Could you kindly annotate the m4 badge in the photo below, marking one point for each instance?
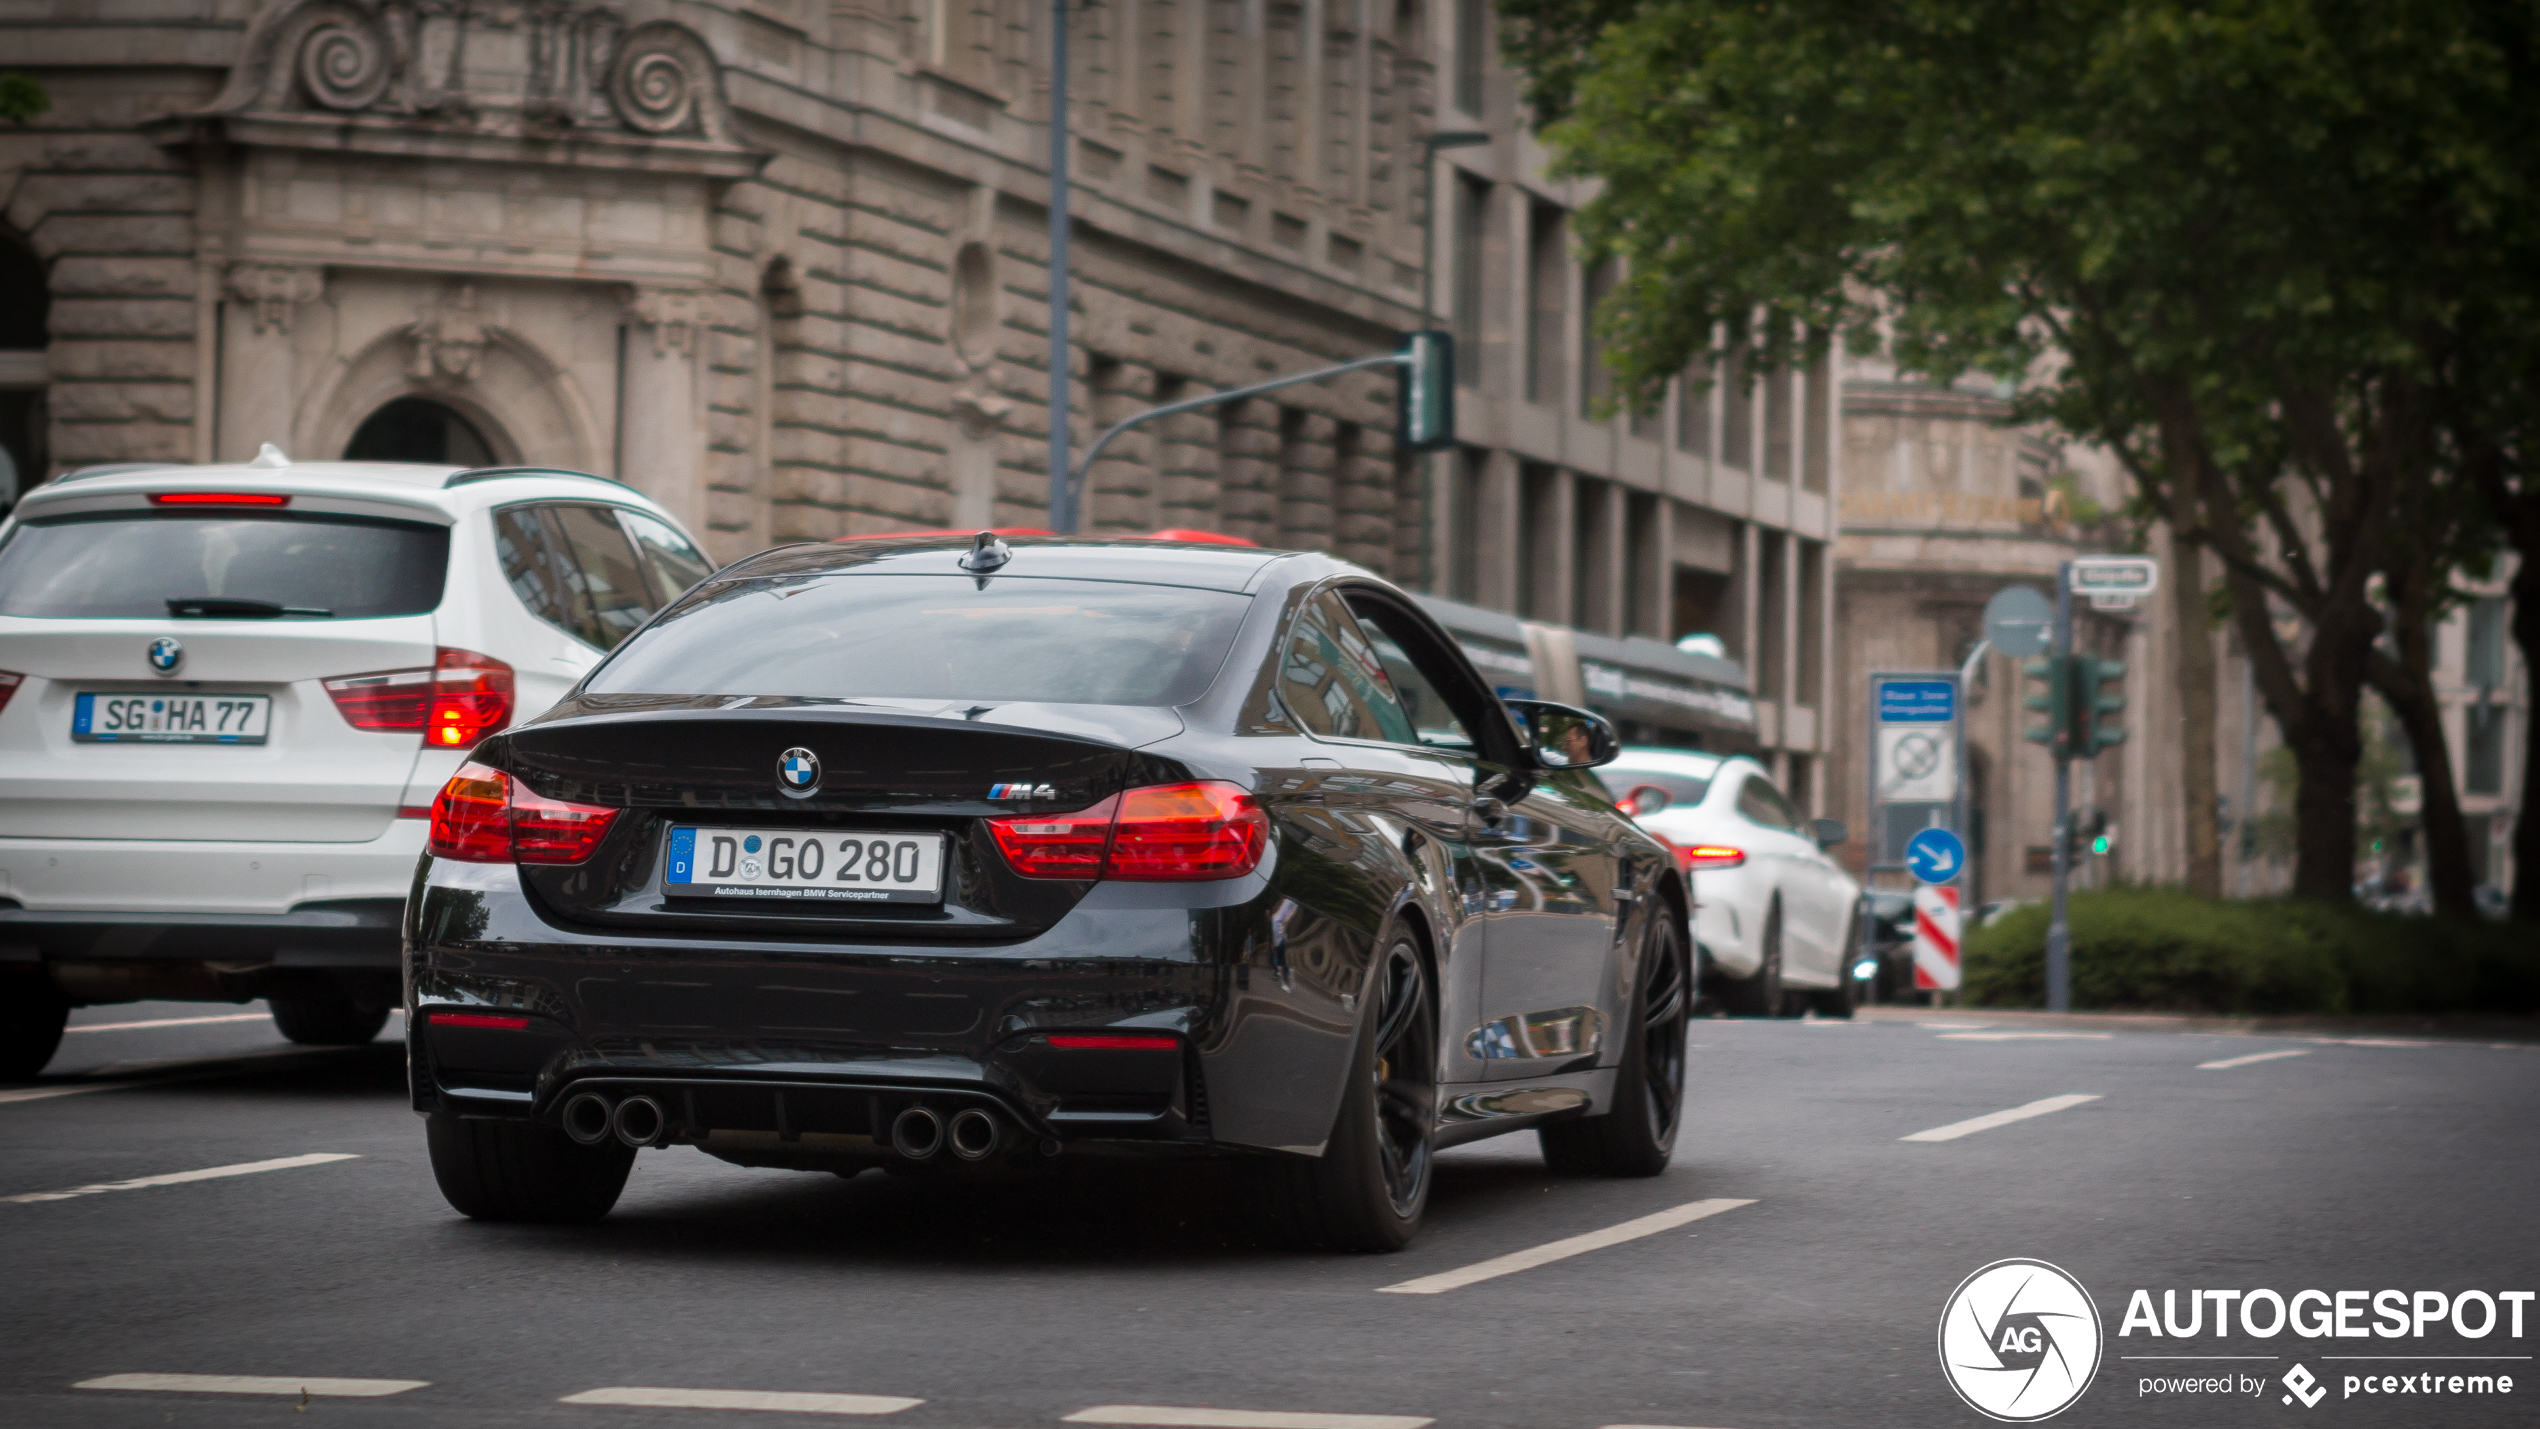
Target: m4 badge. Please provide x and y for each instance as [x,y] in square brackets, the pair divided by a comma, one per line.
[1022,791]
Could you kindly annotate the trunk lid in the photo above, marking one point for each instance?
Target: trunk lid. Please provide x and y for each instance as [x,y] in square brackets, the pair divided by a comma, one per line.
[314,779]
[905,768]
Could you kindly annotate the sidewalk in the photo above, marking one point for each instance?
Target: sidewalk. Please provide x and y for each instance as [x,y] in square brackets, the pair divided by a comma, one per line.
[2467,1027]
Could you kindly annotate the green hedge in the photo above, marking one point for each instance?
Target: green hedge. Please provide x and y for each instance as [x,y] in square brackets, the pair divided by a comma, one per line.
[2161,949]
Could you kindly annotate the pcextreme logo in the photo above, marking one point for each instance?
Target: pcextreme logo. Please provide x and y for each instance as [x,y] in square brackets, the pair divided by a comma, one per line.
[2019,1341]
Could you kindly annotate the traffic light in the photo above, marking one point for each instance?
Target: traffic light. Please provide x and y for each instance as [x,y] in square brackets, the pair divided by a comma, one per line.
[2054,672]
[2091,833]
[2096,709]
[1424,399]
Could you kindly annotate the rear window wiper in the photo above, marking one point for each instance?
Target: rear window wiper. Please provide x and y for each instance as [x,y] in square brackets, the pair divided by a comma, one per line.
[224,607]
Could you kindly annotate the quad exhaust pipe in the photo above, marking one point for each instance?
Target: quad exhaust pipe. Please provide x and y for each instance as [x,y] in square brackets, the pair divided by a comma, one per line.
[917,1133]
[974,1134]
[640,1121]
[587,1118]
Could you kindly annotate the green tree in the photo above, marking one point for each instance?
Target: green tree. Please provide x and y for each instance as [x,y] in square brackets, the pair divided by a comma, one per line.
[2227,240]
[21,98]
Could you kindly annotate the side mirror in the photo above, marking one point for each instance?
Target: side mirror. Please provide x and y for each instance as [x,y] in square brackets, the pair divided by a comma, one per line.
[1565,736]
[1829,832]
[1644,801]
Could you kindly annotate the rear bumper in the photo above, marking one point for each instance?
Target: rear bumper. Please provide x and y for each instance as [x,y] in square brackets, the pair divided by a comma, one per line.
[114,879]
[798,1050]
[344,949]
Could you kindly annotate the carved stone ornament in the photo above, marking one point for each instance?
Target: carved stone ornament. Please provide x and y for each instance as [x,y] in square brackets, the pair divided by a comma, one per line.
[449,342]
[524,67]
[272,290]
[674,315]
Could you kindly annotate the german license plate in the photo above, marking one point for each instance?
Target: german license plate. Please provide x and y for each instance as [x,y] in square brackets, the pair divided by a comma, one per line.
[98,718]
[842,866]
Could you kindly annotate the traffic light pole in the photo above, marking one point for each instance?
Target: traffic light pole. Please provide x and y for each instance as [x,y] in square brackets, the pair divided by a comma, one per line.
[2059,932]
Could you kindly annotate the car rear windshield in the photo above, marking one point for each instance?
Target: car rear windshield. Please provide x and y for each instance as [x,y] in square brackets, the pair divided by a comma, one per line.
[933,637]
[1683,790]
[132,565]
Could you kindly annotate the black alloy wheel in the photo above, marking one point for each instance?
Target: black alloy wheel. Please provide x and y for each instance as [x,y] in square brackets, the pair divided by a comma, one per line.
[1636,1136]
[31,1018]
[327,1021]
[1760,993]
[1370,1187]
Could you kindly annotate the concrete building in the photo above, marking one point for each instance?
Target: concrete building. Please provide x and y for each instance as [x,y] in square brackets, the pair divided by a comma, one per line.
[781,264]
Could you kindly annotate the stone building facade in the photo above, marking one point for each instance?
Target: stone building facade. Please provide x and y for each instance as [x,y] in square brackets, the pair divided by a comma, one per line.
[782,265]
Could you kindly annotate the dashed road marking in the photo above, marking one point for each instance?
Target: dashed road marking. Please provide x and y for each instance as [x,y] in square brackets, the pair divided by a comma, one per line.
[1238,1418]
[1990,1120]
[256,1384]
[2229,1062]
[1516,1261]
[179,1178]
[2023,1036]
[171,1022]
[777,1401]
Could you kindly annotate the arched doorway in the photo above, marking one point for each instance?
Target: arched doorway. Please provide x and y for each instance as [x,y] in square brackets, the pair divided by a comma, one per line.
[419,429]
[25,316]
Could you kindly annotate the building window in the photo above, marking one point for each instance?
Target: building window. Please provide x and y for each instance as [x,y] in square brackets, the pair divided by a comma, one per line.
[1472,52]
[2486,658]
[1816,462]
[1812,610]
[1538,543]
[1737,412]
[1695,396]
[1547,302]
[25,327]
[1780,399]
[2486,762]
[1640,565]
[1472,217]
[1597,380]
[1464,525]
[1772,607]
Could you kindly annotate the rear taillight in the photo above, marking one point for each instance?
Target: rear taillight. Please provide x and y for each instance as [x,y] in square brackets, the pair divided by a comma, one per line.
[460,700]
[485,816]
[218,498]
[1693,858]
[1112,1042]
[9,682]
[491,1021]
[1166,833]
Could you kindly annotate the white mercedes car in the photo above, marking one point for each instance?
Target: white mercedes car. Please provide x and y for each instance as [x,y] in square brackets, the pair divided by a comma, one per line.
[1775,917]
[228,695]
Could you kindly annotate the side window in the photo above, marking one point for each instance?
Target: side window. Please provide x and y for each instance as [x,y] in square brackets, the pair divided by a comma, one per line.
[1332,681]
[674,563]
[1432,720]
[1761,803]
[604,572]
[531,567]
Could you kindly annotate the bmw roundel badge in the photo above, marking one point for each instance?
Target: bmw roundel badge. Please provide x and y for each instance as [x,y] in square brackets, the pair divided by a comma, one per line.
[166,655]
[798,771]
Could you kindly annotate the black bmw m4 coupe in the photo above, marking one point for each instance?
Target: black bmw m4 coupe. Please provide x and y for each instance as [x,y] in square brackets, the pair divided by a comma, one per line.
[951,857]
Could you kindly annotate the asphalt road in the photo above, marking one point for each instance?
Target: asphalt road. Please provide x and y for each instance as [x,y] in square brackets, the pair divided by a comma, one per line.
[2354,1165]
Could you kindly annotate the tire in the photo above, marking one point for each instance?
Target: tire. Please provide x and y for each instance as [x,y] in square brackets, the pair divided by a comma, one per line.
[517,1171]
[1637,1135]
[1370,1187]
[1760,993]
[31,1019]
[1837,1001]
[327,1021]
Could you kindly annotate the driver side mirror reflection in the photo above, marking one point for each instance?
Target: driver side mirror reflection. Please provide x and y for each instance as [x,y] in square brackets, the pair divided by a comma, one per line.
[1565,736]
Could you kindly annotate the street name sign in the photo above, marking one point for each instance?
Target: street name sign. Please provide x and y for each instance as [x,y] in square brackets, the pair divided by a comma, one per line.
[2096,576]
[1918,701]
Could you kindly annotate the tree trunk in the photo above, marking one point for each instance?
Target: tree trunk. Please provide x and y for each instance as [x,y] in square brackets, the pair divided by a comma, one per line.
[2197,700]
[2324,818]
[2526,589]
[2408,686]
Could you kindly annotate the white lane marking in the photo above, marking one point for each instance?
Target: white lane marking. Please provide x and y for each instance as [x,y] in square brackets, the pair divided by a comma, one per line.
[171,1022]
[2022,1036]
[778,1401]
[1238,1418]
[1511,1263]
[256,1384]
[179,1178]
[1955,1026]
[2229,1062]
[1992,1119]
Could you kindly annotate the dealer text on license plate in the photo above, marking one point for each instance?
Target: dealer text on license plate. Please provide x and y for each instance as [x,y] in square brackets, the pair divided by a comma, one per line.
[831,865]
[101,718]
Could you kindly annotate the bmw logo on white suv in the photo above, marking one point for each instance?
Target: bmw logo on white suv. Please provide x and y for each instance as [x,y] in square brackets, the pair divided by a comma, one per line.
[228,695]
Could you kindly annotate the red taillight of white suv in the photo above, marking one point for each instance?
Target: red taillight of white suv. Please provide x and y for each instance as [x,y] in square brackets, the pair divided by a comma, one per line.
[460,700]
[9,682]
[1167,833]
[484,815]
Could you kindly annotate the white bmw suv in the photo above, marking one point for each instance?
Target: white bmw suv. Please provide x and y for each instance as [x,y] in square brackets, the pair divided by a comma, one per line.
[1776,918]
[228,695]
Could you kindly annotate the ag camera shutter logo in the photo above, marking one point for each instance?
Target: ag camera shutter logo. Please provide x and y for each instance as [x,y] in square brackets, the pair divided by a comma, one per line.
[2019,1341]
